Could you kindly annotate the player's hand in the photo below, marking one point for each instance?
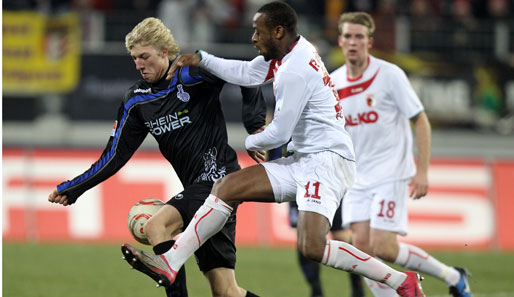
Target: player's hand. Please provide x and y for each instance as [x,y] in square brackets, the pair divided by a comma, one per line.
[257,156]
[259,130]
[183,60]
[418,186]
[55,197]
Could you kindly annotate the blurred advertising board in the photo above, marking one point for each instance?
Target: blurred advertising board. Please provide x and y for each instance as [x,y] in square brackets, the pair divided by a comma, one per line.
[41,53]
[468,207]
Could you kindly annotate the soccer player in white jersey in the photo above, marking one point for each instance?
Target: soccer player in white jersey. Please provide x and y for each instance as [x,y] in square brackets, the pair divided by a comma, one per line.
[317,175]
[378,102]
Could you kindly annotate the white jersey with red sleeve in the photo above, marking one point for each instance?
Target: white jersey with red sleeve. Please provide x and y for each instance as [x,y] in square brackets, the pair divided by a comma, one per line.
[306,111]
[377,106]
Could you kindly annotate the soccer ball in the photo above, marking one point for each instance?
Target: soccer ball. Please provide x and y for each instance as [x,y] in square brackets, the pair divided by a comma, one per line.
[139,214]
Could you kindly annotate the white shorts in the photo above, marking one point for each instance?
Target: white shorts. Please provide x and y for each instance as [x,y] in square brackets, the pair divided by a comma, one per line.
[385,206]
[317,181]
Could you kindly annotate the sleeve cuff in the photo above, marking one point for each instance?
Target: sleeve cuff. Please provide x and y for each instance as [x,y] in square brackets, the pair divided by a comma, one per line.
[203,55]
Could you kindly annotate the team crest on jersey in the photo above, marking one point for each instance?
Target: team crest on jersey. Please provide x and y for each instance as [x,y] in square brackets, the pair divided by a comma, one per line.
[370,100]
[181,95]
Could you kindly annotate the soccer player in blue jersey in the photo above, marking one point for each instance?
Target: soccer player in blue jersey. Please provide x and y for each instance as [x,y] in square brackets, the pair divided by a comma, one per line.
[185,117]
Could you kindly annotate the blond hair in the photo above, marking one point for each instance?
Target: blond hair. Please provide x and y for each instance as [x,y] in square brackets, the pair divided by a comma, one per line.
[151,31]
[360,18]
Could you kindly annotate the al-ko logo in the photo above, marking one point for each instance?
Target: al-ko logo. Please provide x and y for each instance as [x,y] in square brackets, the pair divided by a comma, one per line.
[362,118]
[168,122]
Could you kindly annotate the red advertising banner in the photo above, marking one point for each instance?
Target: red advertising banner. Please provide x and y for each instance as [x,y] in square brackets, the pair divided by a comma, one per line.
[468,206]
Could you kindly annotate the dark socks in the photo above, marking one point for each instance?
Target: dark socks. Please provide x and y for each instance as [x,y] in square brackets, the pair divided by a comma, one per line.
[356,285]
[163,247]
[250,294]
[310,271]
[178,288]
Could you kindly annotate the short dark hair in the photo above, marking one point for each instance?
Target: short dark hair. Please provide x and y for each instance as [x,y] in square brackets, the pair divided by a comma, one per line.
[279,14]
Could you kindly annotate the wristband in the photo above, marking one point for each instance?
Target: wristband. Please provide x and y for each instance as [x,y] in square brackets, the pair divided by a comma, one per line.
[199,52]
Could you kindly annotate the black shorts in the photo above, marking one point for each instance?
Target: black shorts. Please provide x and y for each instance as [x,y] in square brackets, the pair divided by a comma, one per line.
[337,223]
[219,250]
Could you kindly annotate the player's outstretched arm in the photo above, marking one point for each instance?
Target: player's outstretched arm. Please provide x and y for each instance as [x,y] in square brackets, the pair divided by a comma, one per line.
[55,197]
[183,60]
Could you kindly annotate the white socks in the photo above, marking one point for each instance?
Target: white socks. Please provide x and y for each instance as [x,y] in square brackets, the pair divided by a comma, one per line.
[414,258]
[380,290]
[208,220]
[344,256]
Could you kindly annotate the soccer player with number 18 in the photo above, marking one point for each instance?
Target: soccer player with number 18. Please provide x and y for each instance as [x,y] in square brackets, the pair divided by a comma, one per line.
[379,102]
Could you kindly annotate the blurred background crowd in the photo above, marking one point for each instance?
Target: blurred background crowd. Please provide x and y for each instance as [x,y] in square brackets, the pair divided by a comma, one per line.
[458,54]
[439,25]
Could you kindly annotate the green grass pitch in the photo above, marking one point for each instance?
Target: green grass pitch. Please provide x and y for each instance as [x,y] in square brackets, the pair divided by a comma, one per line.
[80,270]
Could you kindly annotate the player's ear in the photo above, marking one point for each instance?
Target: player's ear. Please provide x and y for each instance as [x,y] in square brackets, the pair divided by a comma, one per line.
[370,43]
[279,32]
[164,52]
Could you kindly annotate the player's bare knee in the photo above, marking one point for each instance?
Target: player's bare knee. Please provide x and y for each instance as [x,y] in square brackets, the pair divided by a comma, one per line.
[222,190]
[312,249]
[313,253]
[151,229]
[218,186]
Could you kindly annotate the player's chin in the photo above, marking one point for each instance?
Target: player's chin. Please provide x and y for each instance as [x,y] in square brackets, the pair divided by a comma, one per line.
[266,57]
[149,79]
[261,53]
